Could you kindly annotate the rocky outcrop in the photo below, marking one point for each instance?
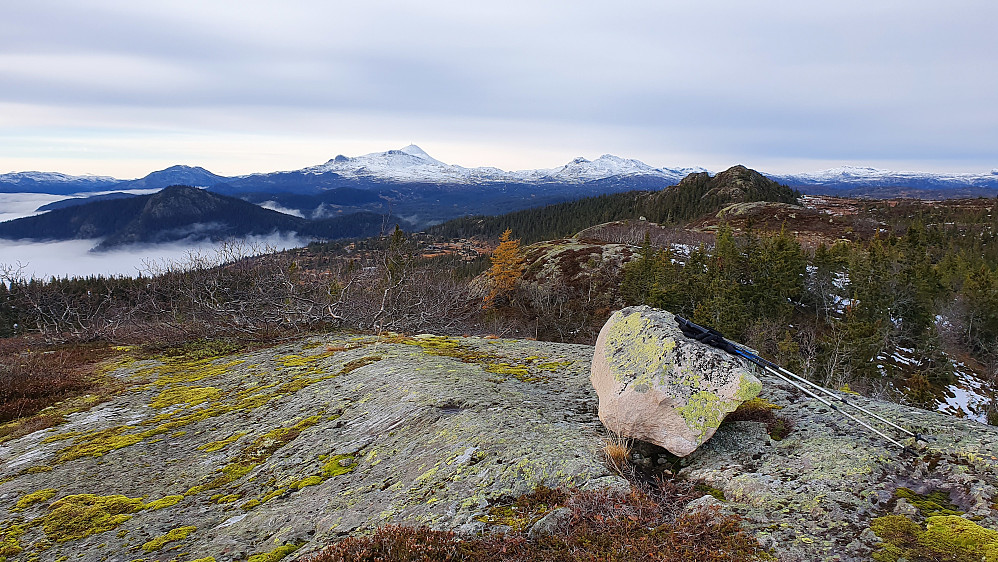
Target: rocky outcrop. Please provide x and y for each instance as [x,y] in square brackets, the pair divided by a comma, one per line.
[296,445]
[658,386]
[290,447]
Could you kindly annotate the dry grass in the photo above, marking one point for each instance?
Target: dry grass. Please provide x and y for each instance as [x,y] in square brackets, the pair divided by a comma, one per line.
[758,410]
[35,376]
[605,525]
[617,452]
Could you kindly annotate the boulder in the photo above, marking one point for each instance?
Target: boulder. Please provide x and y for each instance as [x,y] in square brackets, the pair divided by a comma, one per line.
[656,385]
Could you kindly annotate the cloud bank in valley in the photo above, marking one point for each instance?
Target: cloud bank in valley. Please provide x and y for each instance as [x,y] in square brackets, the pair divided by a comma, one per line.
[73,258]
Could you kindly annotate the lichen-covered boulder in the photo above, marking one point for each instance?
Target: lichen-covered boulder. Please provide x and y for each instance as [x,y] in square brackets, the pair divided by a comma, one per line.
[656,385]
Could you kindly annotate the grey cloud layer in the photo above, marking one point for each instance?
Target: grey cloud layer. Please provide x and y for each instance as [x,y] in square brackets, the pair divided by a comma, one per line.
[850,79]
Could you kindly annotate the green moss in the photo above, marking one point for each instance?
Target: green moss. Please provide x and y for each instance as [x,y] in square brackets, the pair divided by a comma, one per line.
[178,534]
[717,493]
[524,511]
[274,555]
[310,481]
[38,468]
[35,497]
[269,496]
[333,466]
[552,366]
[10,540]
[163,503]
[78,516]
[936,502]
[337,465]
[189,395]
[99,443]
[946,537]
[178,372]
[228,498]
[206,559]
[757,404]
[219,445]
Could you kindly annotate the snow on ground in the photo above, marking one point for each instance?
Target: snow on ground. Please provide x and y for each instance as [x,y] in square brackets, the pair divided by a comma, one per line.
[968,397]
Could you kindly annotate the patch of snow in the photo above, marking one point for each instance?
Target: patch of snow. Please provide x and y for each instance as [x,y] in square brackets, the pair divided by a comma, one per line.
[968,397]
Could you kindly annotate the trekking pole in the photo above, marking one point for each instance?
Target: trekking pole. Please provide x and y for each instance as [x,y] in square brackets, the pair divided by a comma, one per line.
[744,352]
[715,339]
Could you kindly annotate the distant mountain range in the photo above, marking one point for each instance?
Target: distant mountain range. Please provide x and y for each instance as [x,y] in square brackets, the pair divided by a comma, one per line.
[357,196]
[875,183]
[412,169]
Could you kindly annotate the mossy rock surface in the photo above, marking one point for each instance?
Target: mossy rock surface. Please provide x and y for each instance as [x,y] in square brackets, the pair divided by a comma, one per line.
[290,447]
[297,444]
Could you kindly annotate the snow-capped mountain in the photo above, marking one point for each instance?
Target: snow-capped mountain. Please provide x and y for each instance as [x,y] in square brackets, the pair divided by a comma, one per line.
[581,170]
[413,164]
[405,171]
[194,176]
[851,176]
[44,182]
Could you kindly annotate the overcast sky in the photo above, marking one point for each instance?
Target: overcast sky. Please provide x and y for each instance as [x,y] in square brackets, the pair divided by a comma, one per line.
[122,88]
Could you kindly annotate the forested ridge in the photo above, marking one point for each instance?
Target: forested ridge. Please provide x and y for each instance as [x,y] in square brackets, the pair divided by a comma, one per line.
[694,196]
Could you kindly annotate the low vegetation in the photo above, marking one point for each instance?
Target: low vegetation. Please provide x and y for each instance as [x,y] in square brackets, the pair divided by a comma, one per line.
[637,525]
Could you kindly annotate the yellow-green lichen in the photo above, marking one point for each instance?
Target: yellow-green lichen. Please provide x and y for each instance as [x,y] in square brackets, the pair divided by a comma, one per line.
[163,503]
[333,466]
[177,534]
[10,540]
[228,498]
[703,411]
[552,366]
[269,496]
[631,355]
[178,372]
[82,515]
[255,454]
[274,555]
[35,497]
[946,537]
[189,395]
[748,388]
[219,445]
[98,443]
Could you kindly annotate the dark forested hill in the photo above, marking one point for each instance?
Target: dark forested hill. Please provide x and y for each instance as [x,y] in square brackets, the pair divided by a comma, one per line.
[181,212]
[694,196]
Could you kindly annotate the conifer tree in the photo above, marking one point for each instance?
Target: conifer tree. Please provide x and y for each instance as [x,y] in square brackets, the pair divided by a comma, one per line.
[507,269]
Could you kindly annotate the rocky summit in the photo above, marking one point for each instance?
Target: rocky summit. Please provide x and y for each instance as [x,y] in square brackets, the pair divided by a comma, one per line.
[657,385]
[274,453]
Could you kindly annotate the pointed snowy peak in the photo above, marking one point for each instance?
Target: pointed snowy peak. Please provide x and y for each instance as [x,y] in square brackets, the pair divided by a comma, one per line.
[413,150]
